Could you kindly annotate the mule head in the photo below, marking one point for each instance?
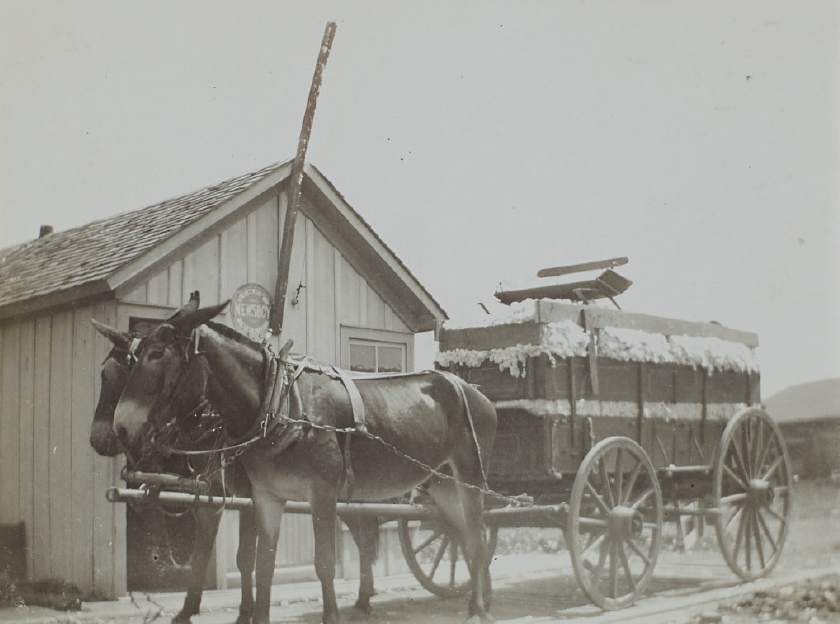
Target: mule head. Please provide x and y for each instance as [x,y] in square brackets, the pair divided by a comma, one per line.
[165,379]
[115,370]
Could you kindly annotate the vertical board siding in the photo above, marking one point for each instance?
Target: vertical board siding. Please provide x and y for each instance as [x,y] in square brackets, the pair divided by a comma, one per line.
[176,284]
[350,312]
[322,288]
[234,264]
[41,521]
[205,276]
[27,433]
[10,425]
[296,314]
[157,289]
[265,245]
[81,414]
[60,480]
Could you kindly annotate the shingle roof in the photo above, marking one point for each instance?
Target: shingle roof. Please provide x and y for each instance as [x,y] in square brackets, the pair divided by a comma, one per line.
[817,400]
[92,252]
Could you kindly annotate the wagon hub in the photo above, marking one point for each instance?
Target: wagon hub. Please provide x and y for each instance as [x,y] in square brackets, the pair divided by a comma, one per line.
[761,492]
[625,522]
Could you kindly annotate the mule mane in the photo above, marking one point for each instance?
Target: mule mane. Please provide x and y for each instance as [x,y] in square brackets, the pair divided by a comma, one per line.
[234,335]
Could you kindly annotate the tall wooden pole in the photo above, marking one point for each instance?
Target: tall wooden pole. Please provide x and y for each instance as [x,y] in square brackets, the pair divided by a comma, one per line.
[282,284]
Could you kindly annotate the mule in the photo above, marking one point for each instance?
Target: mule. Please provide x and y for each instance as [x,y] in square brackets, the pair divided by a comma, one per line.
[433,418]
[115,371]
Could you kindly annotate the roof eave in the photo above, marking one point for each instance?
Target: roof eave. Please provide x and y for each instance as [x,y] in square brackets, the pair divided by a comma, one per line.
[57,299]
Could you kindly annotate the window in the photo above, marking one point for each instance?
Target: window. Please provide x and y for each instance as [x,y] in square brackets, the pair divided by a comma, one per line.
[376,351]
[376,357]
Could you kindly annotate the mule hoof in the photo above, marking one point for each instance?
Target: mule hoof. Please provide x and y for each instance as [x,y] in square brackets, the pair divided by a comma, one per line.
[243,619]
[360,612]
[481,619]
[181,618]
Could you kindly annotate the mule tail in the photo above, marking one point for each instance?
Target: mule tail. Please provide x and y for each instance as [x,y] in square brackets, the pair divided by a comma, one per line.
[460,387]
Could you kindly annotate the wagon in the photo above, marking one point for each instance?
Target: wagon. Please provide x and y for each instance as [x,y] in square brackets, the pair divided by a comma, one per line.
[610,423]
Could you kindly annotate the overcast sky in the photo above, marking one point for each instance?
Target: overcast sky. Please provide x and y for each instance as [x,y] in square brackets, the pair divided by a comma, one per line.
[482,140]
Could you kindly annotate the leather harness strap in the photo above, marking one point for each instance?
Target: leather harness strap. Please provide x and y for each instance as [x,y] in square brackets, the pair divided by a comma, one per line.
[356,402]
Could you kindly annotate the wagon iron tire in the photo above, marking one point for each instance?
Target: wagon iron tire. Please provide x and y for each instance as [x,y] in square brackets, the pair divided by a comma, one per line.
[614,523]
[751,489]
[436,556]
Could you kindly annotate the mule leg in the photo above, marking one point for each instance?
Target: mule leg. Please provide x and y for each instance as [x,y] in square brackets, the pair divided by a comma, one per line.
[365,532]
[246,556]
[206,527]
[323,523]
[463,509]
[268,512]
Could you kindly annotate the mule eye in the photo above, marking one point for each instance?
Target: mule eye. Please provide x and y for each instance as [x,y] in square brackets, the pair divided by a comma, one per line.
[155,355]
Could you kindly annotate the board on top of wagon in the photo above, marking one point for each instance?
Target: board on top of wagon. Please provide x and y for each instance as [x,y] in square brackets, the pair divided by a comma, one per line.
[625,420]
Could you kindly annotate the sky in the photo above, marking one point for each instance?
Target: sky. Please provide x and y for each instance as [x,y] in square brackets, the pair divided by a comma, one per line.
[482,141]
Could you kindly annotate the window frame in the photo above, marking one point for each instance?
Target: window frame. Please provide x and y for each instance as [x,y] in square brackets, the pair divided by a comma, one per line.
[384,337]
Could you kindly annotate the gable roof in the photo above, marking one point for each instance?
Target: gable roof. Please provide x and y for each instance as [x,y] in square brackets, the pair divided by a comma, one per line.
[817,400]
[104,255]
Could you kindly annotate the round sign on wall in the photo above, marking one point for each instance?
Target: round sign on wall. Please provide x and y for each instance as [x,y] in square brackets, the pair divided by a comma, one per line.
[250,309]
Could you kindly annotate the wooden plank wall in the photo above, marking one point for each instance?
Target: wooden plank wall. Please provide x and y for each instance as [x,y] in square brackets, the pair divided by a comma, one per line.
[51,479]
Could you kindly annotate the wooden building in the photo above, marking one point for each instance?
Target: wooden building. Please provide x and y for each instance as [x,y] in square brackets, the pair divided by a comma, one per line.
[351,302]
[809,416]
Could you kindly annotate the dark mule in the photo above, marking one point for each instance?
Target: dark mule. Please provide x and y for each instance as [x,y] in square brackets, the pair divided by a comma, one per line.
[115,371]
[432,417]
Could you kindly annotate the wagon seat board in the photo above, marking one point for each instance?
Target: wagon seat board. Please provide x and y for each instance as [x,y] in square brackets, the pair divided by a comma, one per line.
[564,376]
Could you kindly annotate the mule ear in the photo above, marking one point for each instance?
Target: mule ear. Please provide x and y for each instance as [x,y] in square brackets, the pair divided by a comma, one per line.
[191,320]
[188,308]
[120,339]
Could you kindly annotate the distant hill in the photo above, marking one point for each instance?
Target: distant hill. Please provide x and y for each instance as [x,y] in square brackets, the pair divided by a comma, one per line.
[817,400]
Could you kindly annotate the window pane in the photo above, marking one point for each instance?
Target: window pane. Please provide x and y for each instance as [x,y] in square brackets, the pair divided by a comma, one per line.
[362,358]
[390,359]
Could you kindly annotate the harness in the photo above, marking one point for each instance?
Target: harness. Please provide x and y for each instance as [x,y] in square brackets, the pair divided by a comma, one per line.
[280,385]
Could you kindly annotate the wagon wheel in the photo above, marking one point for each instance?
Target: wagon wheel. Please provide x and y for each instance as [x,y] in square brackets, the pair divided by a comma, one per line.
[436,556]
[751,488]
[614,524]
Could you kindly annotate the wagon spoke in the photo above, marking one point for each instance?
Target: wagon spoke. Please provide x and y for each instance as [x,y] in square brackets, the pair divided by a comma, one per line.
[428,541]
[738,534]
[592,543]
[734,515]
[598,499]
[619,455]
[776,515]
[602,559]
[735,477]
[439,555]
[631,482]
[758,548]
[735,454]
[763,447]
[453,560]
[643,498]
[734,498]
[613,569]
[605,480]
[625,563]
[636,549]
[773,467]
[745,448]
[767,532]
[748,539]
